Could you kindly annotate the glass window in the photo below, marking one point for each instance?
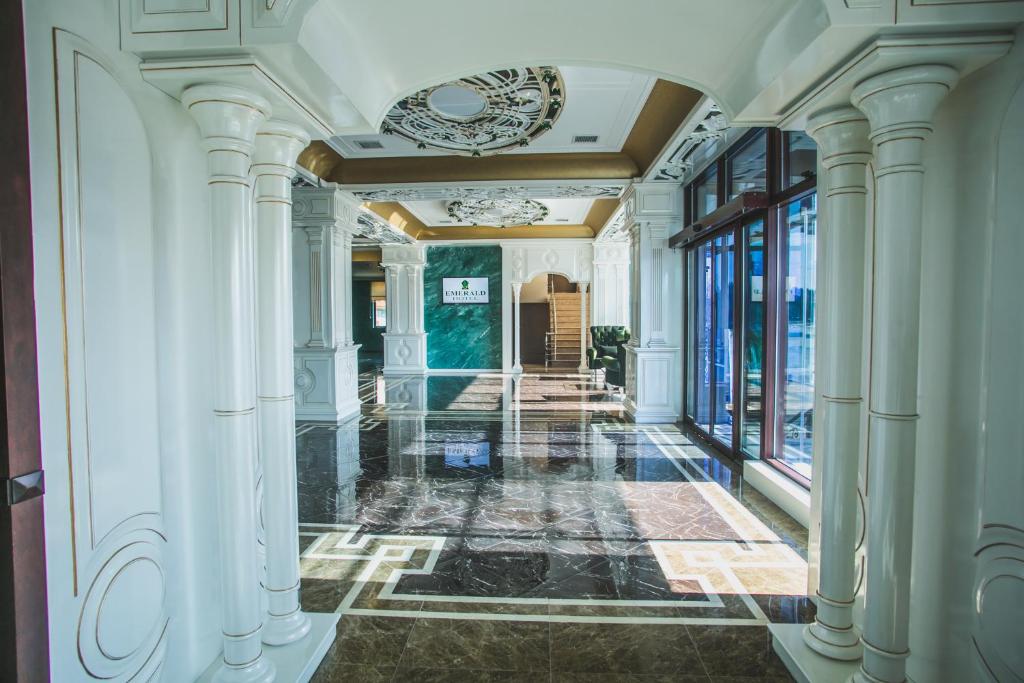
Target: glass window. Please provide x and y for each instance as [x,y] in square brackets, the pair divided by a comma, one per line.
[380,313]
[797,314]
[799,158]
[748,167]
[753,338]
[705,194]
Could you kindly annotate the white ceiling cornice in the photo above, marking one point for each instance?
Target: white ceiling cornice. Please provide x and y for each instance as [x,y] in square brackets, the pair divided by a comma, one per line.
[493,189]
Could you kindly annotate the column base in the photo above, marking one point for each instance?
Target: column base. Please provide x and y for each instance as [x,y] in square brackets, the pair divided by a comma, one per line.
[287,629]
[405,354]
[804,664]
[327,383]
[841,645]
[294,663]
[651,384]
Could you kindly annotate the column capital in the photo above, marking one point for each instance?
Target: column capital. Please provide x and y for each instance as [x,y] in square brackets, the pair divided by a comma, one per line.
[228,116]
[277,147]
[840,132]
[905,98]
[403,255]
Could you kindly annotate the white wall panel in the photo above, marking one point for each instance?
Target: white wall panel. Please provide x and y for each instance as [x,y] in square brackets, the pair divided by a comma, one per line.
[112,448]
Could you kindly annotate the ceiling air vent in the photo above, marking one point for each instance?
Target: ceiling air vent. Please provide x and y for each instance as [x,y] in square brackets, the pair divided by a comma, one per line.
[584,139]
[368,144]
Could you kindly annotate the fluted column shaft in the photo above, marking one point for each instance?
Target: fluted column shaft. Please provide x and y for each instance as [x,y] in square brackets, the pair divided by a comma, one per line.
[842,137]
[277,146]
[517,287]
[582,286]
[900,105]
[228,119]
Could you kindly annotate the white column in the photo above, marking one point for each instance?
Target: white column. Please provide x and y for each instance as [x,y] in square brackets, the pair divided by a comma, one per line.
[582,286]
[653,381]
[899,105]
[405,343]
[842,137]
[228,119]
[325,359]
[277,146]
[517,365]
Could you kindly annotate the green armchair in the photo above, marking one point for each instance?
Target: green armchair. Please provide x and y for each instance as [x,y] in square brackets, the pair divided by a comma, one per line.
[607,351]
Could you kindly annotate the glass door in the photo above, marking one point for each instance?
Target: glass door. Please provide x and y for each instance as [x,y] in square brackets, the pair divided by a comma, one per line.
[702,320]
[724,326]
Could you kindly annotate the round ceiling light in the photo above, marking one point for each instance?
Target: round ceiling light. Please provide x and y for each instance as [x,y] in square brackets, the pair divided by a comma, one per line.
[457,102]
[500,213]
[481,115]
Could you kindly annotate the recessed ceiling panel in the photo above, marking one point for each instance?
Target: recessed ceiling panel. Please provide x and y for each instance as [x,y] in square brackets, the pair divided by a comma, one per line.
[598,110]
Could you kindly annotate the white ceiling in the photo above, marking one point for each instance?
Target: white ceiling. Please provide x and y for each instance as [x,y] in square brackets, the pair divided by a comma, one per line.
[602,102]
[434,214]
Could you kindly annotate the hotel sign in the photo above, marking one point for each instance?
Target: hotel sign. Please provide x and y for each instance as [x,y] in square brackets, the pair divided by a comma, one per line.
[464,290]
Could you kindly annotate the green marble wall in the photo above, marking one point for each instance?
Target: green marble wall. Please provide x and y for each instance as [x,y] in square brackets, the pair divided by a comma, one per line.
[462,336]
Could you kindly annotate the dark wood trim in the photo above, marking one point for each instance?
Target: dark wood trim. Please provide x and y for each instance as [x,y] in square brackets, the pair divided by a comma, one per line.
[725,214]
[24,649]
[733,217]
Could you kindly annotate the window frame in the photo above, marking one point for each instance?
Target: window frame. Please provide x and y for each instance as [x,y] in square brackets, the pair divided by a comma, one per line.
[778,197]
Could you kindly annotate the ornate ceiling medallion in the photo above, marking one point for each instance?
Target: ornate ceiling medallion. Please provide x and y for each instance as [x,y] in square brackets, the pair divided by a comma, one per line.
[500,213]
[481,115]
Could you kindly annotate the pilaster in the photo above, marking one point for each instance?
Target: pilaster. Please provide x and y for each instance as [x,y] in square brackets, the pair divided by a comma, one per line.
[326,360]
[405,342]
[653,381]
[609,295]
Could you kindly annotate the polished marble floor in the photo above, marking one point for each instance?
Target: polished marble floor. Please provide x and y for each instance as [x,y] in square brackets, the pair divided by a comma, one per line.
[491,529]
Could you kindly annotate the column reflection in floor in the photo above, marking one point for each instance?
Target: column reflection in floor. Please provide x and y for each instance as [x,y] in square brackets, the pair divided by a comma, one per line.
[488,499]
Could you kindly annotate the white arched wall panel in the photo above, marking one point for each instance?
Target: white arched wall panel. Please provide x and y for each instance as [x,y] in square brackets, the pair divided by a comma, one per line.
[116,618]
[999,550]
[523,260]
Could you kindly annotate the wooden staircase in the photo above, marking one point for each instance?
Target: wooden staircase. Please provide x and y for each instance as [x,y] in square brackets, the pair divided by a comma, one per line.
[562,348]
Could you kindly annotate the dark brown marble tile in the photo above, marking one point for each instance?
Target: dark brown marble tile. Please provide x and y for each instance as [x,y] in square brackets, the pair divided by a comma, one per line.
[624,649]
[737,651]
[748,679]
[333,671]
[420,675]
[374,641]
[563,677]
[474,644]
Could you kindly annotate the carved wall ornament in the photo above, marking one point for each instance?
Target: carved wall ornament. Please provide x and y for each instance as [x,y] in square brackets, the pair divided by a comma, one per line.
[377,229]
[713,126]
[500,213]
[457,192]
[481,115]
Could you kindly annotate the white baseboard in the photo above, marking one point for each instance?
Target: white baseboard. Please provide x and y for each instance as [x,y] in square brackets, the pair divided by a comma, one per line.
[295,662]
[804,664]
[780,489]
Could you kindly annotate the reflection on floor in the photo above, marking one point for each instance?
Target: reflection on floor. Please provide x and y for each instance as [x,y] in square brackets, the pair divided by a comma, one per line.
[484,528]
